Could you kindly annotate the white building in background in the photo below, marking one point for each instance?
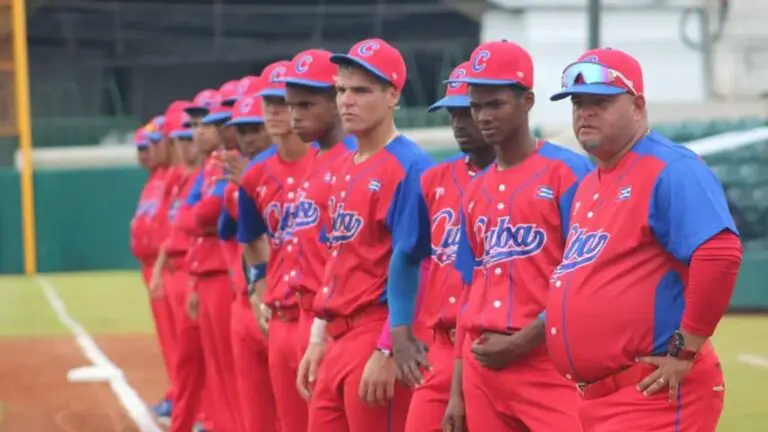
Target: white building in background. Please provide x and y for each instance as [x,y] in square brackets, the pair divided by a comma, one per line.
[679,80]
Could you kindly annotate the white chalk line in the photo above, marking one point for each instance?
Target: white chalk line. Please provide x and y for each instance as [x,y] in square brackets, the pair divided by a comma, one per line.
[125,394]
[754,360]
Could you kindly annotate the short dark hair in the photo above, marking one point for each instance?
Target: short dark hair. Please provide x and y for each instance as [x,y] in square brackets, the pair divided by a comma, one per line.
[329,92]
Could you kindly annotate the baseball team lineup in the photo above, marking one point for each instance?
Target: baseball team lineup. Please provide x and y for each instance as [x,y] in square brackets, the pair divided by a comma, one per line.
[311,269]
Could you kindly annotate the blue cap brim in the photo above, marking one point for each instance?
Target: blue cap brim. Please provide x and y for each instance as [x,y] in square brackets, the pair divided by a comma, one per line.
[219,117]
[307,83]
[595,89]
[196,111]
[343,59]
[483,81]
[182,134]
[455,101]
[141,145]
[245,120]
[273,92]
[155,136]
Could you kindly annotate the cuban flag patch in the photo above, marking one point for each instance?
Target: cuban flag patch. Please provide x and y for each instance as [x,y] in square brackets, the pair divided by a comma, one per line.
[374,185]
[545,192]
[624,193]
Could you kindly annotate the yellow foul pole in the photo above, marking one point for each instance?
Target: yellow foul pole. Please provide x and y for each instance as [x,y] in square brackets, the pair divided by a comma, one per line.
[24,123]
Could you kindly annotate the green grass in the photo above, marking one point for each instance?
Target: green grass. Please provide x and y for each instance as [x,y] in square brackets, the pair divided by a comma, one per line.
[116,303]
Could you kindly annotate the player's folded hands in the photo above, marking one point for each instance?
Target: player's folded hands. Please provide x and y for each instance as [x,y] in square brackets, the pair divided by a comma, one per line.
[410,355]
[497,350]
[233,165]
[670,374]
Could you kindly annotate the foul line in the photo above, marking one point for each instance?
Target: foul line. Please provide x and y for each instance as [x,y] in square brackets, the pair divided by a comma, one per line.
[754,360]
[125,394]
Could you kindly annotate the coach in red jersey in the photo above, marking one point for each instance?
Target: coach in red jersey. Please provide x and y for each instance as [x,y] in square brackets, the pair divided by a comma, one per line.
[514,222]
[650,264]
[370,193]
[442,189]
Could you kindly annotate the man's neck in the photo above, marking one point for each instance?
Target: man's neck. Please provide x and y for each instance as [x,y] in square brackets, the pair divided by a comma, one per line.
[610,162]
[290,147]
[516,149]
[334,136]
[482,157]
[375,139]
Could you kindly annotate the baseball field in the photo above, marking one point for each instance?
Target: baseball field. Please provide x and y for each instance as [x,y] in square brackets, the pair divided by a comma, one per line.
[78,354]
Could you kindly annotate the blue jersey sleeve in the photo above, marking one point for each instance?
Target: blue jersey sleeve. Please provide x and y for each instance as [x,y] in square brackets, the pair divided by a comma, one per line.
[250,223]
[402,288]
[227,225]
[688,207]
[465,257]
[196,193]
[218,188]
[407,216]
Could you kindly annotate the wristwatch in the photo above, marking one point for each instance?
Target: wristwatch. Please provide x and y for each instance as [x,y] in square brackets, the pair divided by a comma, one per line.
[677,347]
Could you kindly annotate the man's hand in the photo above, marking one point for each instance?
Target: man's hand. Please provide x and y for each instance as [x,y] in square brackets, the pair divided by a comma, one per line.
[455,413]
[156,284]
[410,355]
[233,164]
[193,304]
[670,372]
[377,387]
[310,363]
[262,313]
[496,350]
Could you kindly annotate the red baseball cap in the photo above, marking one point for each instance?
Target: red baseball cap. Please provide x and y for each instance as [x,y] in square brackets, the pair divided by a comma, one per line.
[177,125]
[141,138]
[500,63]
[456,92]
[247,110]
[312,68]
[248,85]
[219,112]
[154,128]
[175,116]
[202,102]
[273,77]
[602,71]
[377,57]
[228,92]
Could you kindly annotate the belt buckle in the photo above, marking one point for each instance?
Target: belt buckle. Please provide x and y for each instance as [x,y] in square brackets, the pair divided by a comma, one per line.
[581,388]
[452,336]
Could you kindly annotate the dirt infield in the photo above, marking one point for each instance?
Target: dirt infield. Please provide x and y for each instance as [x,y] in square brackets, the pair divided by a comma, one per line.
[36,396]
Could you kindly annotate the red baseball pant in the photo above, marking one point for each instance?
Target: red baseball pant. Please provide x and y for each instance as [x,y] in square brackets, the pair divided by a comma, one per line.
[254,388]
[163,316]
[189,366]
[215,320]
[698,408]
[335,405]
[283,366]
[430,400]
[528,395]
[306,317]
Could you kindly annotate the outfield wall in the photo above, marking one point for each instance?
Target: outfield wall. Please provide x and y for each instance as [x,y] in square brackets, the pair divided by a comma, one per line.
[83,218]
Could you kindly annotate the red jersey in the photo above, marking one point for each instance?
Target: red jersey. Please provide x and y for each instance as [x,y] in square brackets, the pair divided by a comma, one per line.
[619,291]
[205,254]
[370,202]
[233,251]
[513,235]
[143,242]
[442,189]
[180,217]
[306,258]
[267,204]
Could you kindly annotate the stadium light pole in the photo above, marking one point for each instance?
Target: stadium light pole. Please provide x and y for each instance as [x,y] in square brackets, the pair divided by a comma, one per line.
[24,127]
[593,23]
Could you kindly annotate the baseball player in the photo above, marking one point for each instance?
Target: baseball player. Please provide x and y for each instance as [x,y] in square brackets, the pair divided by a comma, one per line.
[249,345]
[513,228]
[211,301]
[171,276]
[649,267]
[371,195]
[311,96]
[267,217]
[442,189]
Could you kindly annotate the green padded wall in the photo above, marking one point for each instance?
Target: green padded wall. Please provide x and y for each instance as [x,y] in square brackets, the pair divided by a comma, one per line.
[11,250]
[83,218]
